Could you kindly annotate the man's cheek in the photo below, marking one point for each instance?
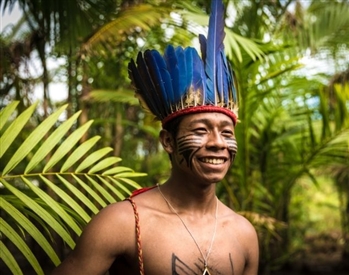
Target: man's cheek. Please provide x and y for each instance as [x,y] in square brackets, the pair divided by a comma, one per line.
[232,148]
[188,146]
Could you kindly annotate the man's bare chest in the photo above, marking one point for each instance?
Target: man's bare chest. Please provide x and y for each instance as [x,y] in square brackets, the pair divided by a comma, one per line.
[170,249]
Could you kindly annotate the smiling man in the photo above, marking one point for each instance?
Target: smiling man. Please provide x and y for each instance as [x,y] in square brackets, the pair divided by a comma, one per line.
[180,226]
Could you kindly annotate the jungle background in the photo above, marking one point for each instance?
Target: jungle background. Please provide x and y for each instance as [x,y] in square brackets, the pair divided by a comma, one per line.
[74,138]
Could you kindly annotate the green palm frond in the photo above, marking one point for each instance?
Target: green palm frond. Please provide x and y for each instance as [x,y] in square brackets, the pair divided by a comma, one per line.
[147,16]
[52,183]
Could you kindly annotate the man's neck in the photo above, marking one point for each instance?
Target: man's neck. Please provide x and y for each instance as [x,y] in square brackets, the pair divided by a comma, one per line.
[189,198]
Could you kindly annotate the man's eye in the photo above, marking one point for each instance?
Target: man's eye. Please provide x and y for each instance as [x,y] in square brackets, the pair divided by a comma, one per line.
[228,133]
[200,130]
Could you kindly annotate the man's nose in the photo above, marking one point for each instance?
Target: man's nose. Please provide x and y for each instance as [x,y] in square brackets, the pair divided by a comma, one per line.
[216,140]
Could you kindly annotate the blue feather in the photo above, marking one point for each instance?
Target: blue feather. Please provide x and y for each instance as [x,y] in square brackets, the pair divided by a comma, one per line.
[203,46]
[189,64]
[182,66]
[220,80]
[214,46]
[172,66]
[228,81]
[151,58]
[146,85]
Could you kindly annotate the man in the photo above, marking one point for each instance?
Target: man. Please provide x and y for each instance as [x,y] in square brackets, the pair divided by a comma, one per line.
[179,227]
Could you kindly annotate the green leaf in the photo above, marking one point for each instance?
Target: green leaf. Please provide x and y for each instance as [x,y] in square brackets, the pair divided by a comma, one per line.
[79,152]
[129,175]
[103,164]
[120,96]
[9,260]
[112,188]
[54,206]
[13,130]
[6,112]
[68,199]
[116,170]
[93,158]
[10,233]
[32,230]
[131,182]
[32,140]
[120,185]
[90,191]
[51,142]
[79,194]
[67,145]
[101,190]
[41,212]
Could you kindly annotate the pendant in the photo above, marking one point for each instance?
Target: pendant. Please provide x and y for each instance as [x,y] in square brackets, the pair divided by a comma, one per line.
[206,271]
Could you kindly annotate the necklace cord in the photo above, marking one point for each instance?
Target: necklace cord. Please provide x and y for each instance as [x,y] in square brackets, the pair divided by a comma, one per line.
[191,235]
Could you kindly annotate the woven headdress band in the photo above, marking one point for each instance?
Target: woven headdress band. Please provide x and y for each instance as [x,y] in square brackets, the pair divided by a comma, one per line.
[180,82]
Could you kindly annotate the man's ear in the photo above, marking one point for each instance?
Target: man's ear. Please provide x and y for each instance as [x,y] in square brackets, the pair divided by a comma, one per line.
[167,141]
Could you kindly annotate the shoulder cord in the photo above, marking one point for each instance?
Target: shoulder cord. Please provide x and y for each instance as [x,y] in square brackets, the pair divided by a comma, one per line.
[138,236]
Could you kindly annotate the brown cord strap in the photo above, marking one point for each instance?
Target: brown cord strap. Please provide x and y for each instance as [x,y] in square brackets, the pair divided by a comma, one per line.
[138,236]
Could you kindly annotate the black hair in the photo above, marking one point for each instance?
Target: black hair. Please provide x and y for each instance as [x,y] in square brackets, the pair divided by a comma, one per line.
[172,126]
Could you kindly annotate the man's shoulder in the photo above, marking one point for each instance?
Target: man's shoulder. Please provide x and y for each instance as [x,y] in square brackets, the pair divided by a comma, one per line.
[239,221]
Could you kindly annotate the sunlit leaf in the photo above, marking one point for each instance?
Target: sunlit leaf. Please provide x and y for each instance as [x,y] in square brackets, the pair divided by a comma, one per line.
[93,158]
[90,191]
[112,188]
[118,169]
[51,142]
[67,145]
[68,199]
[12,131]
[77,193]
[101,190]
[79,153]
[104,164]
[6,113]
[33,139]
[54,205]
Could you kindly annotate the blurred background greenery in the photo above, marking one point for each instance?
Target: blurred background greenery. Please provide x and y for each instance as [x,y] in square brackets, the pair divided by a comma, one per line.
[291,60]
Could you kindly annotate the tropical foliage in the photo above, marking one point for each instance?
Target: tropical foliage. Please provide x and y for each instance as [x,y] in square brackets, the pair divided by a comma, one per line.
[55,196]
[291,64]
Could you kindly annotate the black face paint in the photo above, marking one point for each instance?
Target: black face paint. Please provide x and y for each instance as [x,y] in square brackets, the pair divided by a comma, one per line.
[188,146]
[232,147]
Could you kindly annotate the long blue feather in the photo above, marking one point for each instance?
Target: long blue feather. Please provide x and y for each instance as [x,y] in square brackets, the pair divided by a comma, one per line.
[228,85]
[172,66]
[182,66]
[150,57]
[188,53]
[203,46]
[147,87]
[215,38]
[198,82]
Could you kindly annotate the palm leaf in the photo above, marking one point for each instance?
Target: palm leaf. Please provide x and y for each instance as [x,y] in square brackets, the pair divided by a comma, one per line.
[57,200]
[9,260]
[14,237]
[13,130]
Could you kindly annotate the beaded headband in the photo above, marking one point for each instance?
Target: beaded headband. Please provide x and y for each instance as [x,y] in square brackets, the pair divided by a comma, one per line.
[180,82]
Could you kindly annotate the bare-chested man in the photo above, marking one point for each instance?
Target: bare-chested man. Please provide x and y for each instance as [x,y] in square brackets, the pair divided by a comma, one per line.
[201,154]
[180,226]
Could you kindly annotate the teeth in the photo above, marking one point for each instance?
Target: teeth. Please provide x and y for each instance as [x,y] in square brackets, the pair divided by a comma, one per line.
[213,161]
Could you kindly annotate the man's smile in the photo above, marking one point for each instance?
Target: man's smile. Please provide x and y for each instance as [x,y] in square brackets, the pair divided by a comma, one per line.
[213,160]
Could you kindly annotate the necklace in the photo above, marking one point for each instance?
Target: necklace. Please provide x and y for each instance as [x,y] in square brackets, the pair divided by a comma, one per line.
[206,271]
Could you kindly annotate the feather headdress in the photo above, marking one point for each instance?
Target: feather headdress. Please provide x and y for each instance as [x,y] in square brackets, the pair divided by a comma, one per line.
[180,82]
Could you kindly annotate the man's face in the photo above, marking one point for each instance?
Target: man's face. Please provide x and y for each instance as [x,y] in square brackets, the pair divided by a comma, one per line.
[205,146]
